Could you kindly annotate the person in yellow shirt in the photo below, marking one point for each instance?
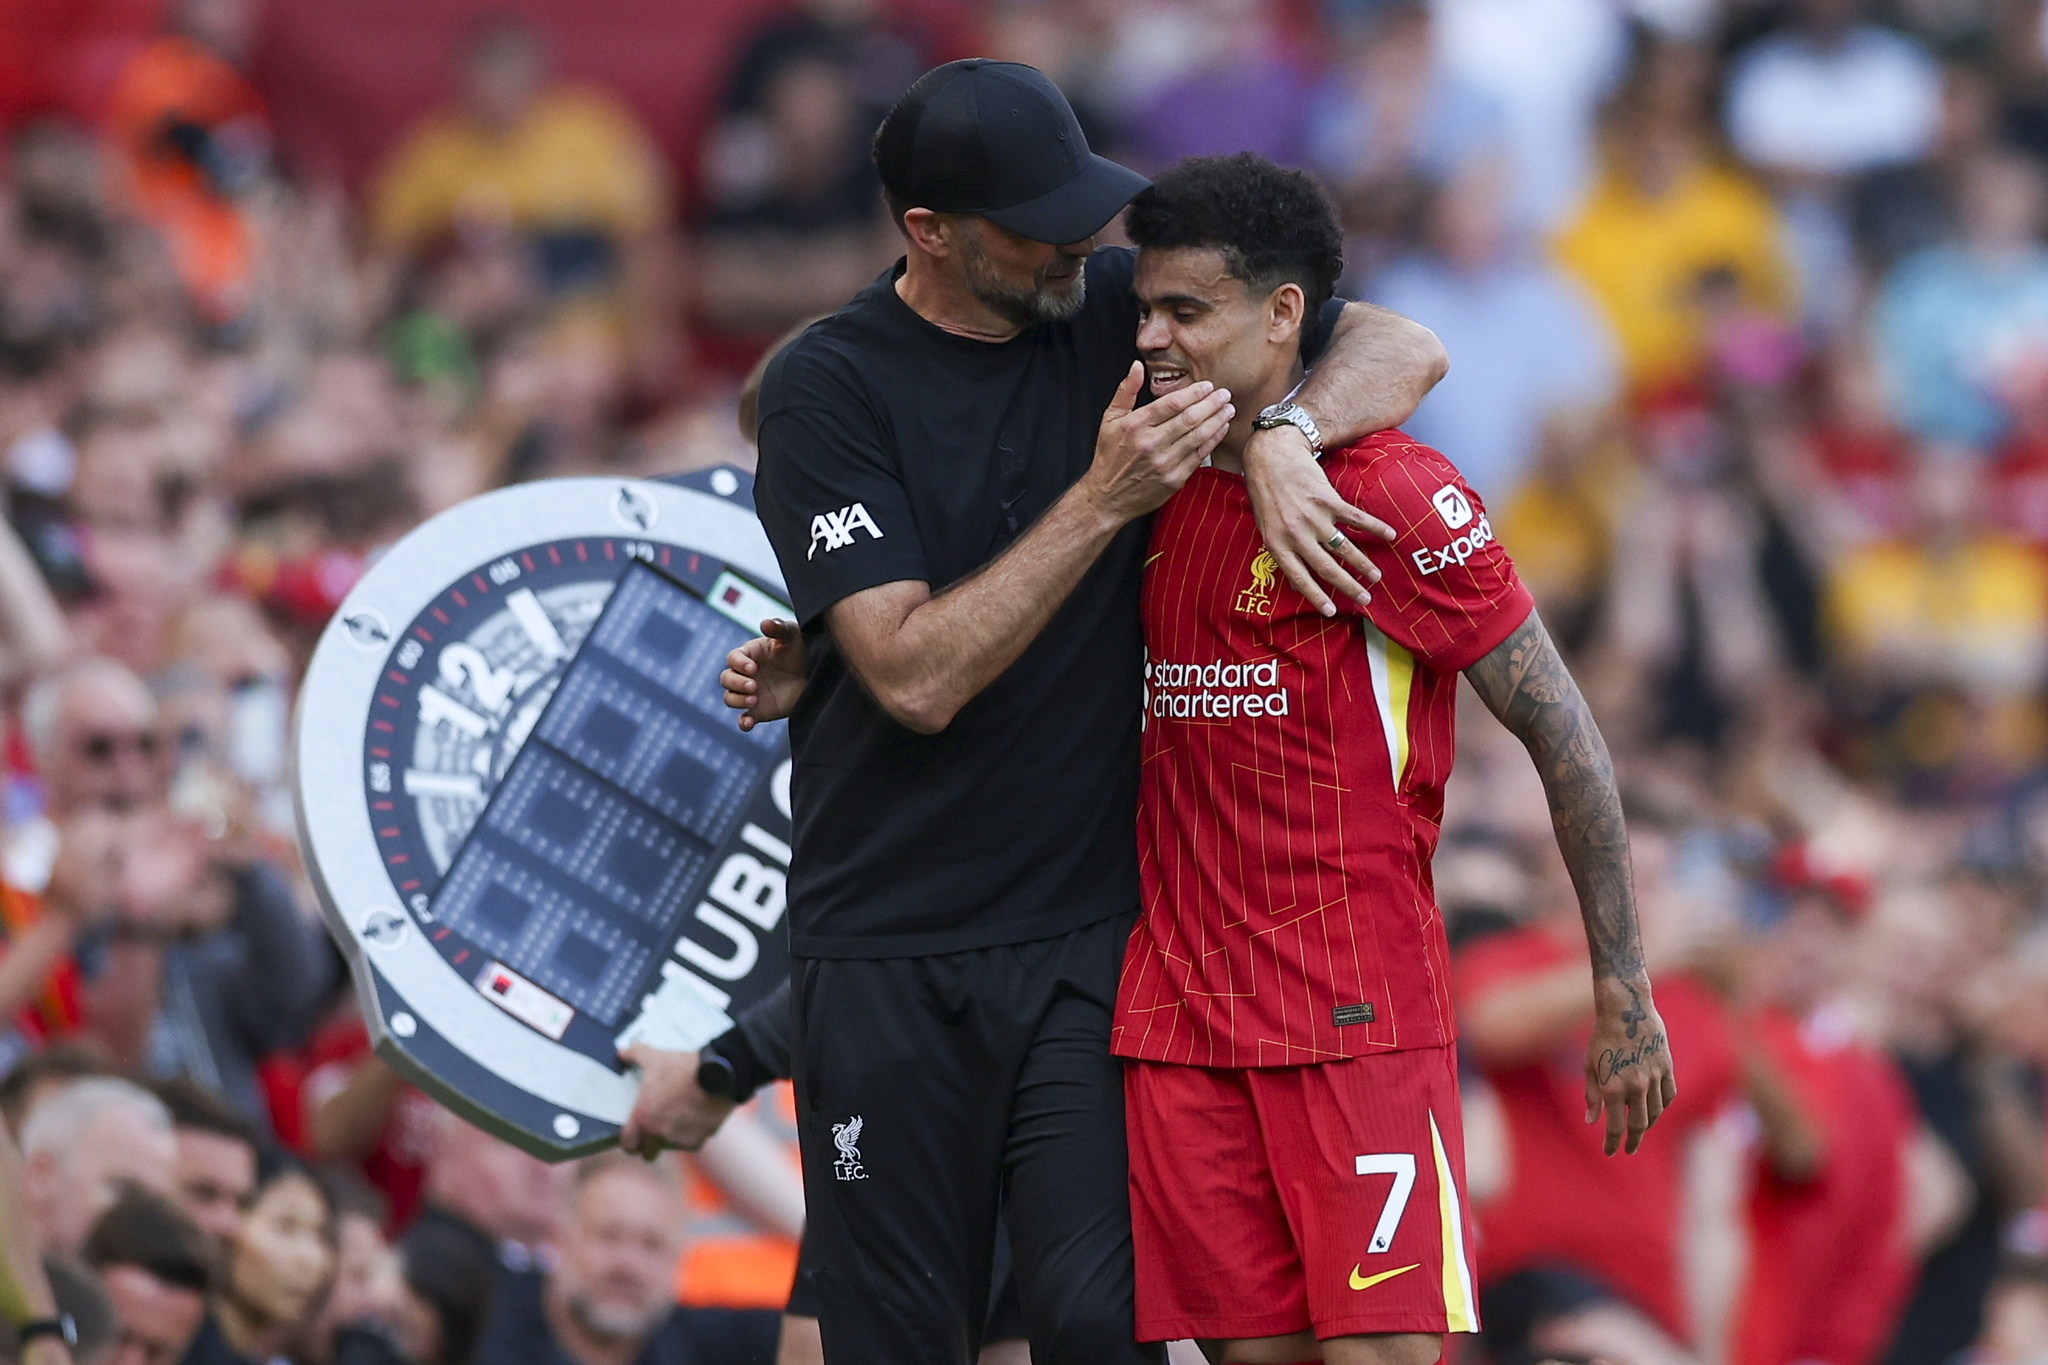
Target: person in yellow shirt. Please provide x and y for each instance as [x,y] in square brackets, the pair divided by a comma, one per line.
[564,167]
[1666,220]
[1959,602]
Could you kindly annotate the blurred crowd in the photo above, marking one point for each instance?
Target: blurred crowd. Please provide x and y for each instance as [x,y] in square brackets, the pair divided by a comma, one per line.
[1747,305]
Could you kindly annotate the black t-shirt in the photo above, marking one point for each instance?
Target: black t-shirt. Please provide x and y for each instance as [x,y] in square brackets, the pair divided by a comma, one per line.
[892,450]
[518,1332]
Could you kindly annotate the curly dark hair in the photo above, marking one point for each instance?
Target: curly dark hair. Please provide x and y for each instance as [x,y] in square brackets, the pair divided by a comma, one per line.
[1273,225]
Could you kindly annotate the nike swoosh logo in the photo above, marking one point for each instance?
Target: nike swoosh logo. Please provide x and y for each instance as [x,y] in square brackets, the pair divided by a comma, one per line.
[1359,1281]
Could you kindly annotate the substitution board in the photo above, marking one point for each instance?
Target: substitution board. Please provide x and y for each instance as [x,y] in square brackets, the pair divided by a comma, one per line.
[537,833]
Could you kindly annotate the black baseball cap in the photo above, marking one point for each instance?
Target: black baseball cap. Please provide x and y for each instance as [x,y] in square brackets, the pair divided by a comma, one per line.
[999,140]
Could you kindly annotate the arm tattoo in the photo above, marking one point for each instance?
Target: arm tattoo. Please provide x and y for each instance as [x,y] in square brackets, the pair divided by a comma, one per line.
[1526,685]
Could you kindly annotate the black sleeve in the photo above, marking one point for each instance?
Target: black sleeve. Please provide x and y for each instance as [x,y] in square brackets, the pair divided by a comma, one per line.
[1315,337]
[758,1043]
[829,492]
[285,970]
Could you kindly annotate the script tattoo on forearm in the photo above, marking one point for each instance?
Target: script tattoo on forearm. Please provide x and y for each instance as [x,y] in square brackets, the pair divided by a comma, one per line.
[1526,685]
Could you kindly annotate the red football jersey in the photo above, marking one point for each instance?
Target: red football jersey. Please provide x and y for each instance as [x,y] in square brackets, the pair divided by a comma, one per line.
[1293,773]
[1830,1270]
[1619,1219]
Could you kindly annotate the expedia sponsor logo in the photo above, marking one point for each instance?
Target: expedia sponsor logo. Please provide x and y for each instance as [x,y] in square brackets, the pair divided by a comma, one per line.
[1453,506]
[1458,551]
[1214,691]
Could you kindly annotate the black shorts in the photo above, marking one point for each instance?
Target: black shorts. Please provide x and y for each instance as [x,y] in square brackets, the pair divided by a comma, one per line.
[933,1092]
[1005,1314]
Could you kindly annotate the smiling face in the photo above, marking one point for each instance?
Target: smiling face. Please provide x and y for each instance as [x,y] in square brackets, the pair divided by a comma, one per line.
[1198,321]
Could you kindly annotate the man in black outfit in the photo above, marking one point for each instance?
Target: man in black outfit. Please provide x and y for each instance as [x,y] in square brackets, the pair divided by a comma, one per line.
[955,476]
[609,1299]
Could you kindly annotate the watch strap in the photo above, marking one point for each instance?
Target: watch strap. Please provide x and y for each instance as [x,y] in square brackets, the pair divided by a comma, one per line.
[716,1076]
[61,1327]
[1289,413]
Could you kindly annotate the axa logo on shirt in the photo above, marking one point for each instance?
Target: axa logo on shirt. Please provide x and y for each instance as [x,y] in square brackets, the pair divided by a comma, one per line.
[1452,506]
[834,530]
[1429,561]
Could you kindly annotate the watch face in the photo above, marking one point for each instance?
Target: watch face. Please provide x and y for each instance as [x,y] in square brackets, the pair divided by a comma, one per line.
[537,831]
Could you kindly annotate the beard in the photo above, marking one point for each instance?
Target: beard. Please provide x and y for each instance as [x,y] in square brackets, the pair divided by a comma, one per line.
[615,1321]
[1047,300]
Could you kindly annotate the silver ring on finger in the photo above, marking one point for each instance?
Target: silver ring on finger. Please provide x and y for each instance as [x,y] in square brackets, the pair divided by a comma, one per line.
[1335,541]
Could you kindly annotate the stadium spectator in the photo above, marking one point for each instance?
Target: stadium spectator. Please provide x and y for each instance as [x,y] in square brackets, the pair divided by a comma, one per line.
[157,1268]
[274,1276]
[855,36]
[25,1292]
[1833,94]
[82,1146]
[449,1277]
[92,727]
[609,1298]
[1547,65]
[1934,944]
[1389,117]
[1959,327]
[194,138]
[1535,360]
[358,1112]
[40,935]
[1953,600]
[212,965]
[216,1159]
[40,1075]
[1237,88]
[241,970]
[1665,218]
[1908,206]
[565,169]
[491,1191]
[1829,1269]
[1812,106]
[360,1318]
[795,222]
[1524,1012]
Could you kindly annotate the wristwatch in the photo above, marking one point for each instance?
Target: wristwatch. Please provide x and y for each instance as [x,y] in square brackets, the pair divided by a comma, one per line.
[1289,413]
[716,1076]
[60,1327]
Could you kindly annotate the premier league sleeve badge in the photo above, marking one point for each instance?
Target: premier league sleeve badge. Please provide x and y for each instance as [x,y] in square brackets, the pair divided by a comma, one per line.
[536,832]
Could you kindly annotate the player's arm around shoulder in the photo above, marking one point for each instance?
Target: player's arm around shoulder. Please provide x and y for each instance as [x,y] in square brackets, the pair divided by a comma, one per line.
[924,655]
[1525,683]
[1372,374]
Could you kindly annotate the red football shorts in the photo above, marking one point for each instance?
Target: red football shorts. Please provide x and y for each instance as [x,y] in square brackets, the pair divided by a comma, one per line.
[1265,1201]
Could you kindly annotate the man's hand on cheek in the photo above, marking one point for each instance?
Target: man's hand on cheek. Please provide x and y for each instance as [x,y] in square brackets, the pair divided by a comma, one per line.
[1303,521]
